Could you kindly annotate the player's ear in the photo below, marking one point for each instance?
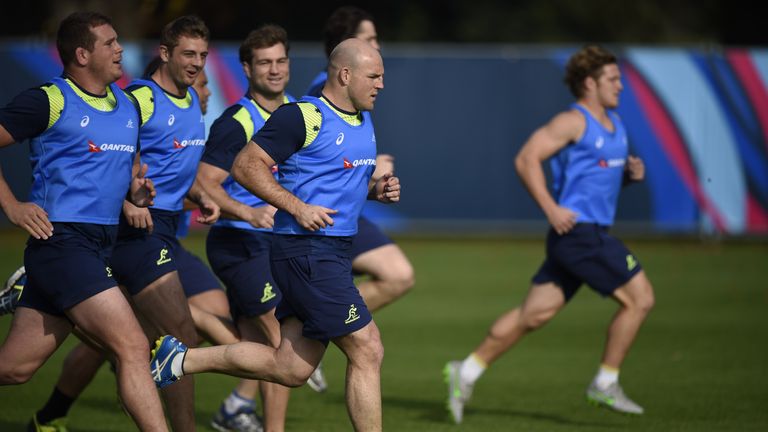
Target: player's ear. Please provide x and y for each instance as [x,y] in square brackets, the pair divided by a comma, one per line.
[590,83]
[247,70]
[165,53]
[344,76]
[82,56]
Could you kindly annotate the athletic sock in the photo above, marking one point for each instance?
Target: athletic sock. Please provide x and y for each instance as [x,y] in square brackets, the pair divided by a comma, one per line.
[606,376]
[57,406]
[177,365]
[471,368]
[235,403]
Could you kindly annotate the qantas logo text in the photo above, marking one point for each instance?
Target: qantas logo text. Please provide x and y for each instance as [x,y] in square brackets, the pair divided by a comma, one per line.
[611,163]
[93,148]
[188,143]
[358,162]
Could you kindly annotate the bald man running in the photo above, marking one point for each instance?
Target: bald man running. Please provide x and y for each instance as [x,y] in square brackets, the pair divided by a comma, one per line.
[333,138]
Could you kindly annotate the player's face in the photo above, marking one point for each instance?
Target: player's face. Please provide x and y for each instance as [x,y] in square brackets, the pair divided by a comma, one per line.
[186,60]
[105,61]
[609,86]
[269,70]
[366,79]
[366,32]
[201,87]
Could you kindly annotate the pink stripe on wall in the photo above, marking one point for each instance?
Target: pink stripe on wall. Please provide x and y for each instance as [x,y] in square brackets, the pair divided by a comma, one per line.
[757,218]
[673,145]
[756,92]
[226,81]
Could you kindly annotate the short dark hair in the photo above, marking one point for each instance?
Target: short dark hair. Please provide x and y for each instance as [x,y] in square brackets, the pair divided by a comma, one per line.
[587,62]
[188,25]
[264,36]
[342,25]
[75,32]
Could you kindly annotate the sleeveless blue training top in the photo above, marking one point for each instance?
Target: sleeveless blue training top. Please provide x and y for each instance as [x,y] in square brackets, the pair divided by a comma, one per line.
[81,166]
[332,171]
[588,173]
[172,143]
[233,188]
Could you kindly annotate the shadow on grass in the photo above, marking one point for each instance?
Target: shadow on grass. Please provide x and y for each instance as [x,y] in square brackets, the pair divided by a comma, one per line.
[12,426]
[202,416]
[436,412]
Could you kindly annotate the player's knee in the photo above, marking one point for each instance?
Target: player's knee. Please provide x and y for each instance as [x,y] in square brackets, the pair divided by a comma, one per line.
[16,374]
[405,279]
[646,302]
[399,279]
[296,375]
[642,300]
[132,347]
[535,320]
[369,353]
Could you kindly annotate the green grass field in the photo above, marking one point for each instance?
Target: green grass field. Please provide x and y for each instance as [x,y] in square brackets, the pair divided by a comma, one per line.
[699,364]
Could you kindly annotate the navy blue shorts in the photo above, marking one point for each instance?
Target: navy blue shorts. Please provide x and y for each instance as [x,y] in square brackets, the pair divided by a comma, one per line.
[69,267]
[317,286]
[195,276]
[368,237]
[141,258]
[586,254]
[240,258]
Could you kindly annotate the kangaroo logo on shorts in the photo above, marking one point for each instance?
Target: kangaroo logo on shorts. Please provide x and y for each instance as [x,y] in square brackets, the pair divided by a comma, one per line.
[631,262]
[163,258]
[268,294]
[109,271]
[353,316]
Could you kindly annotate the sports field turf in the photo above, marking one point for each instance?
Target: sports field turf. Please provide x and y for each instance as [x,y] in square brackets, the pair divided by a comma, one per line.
[699,364]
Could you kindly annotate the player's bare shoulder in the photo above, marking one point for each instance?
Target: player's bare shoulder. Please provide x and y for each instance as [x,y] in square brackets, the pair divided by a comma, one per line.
[566,126]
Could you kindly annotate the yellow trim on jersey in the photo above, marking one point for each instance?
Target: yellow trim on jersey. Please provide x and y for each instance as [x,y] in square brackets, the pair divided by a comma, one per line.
[313,120]
[243,117]
[146,102]
[353,119]
[182,103]
[56,100]
[55,104]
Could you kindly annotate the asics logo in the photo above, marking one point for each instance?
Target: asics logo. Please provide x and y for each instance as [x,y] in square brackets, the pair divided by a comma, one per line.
[600,142]
[340,138]
[159,366]
[171,120]
[84,121]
